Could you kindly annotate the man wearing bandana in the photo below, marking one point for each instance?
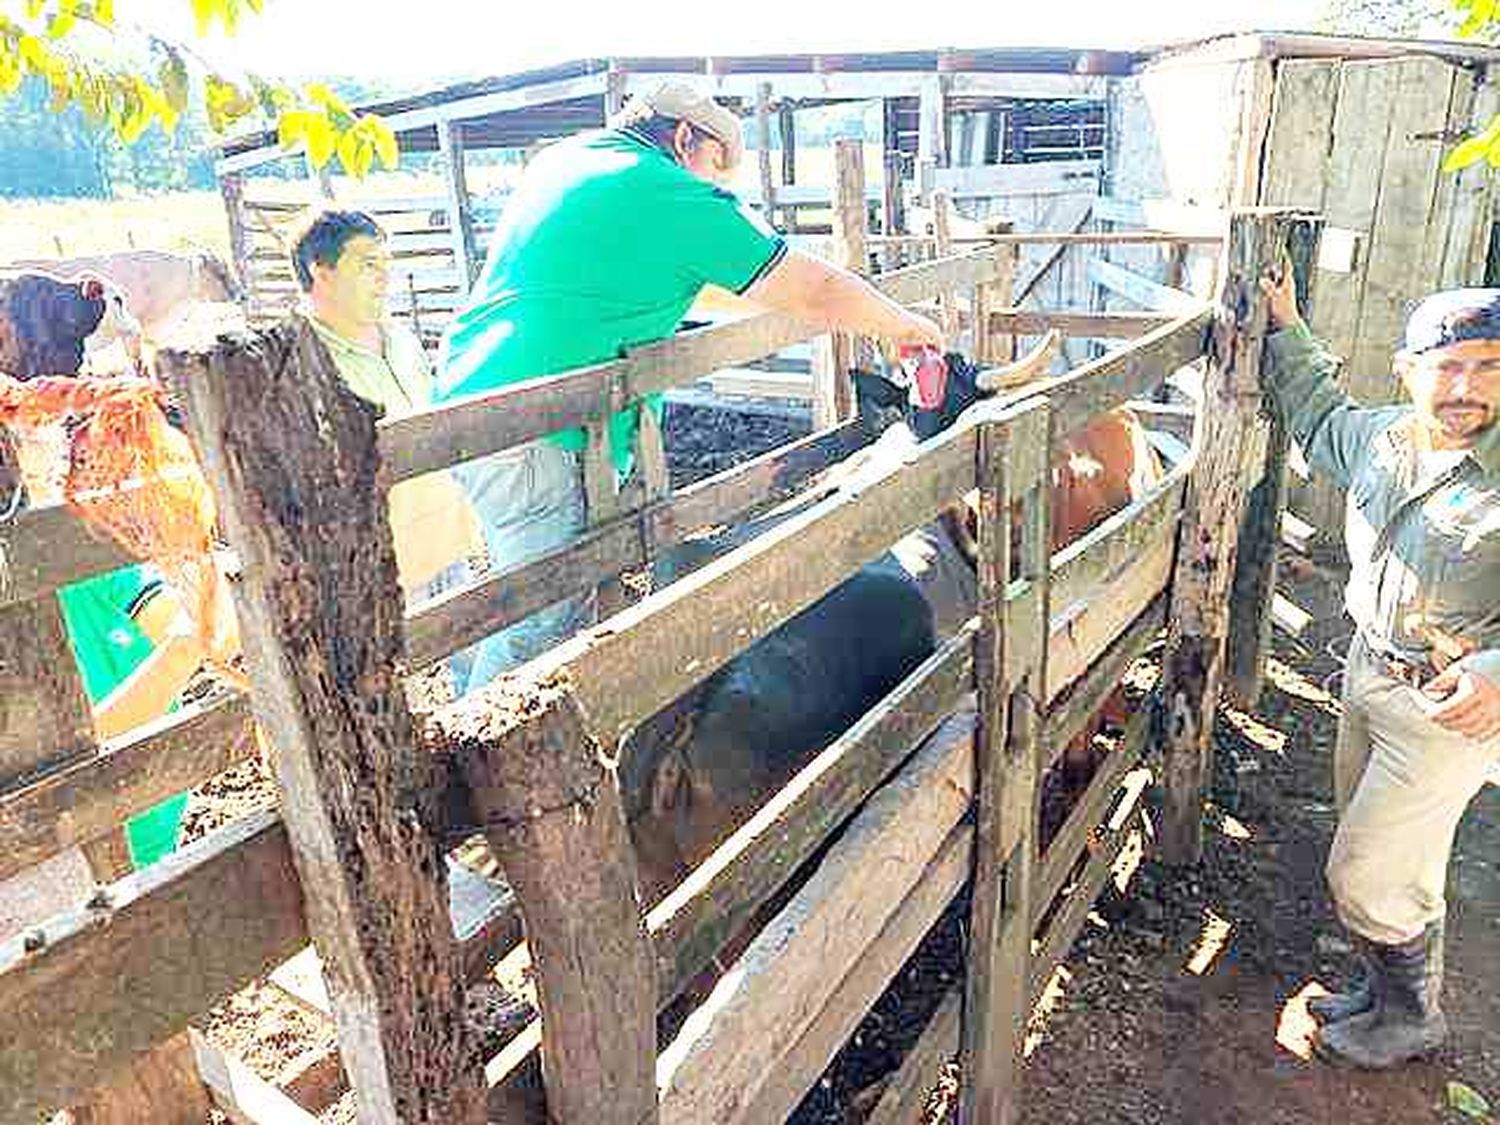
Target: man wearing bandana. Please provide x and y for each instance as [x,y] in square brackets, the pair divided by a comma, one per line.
[1420,732]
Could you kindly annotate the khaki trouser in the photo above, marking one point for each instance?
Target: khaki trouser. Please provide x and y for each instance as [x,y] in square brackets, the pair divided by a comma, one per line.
[1402,784]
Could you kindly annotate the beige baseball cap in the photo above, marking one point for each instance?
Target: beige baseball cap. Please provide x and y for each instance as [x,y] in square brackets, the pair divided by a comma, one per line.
[680,101]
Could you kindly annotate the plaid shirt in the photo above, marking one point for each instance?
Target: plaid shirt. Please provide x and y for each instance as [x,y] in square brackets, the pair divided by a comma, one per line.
[1423,532]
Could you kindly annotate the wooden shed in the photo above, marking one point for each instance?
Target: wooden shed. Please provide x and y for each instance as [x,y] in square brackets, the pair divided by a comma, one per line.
[1041,139]
[1355,129]
[1019,132]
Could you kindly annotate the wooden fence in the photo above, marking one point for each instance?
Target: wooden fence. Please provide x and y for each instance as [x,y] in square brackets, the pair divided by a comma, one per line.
[354,858]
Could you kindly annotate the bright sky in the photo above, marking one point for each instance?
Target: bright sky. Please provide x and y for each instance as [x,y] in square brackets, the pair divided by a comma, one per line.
[434,40]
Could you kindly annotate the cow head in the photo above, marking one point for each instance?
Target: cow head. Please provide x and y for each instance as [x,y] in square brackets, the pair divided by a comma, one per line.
[885,400]
[45,321]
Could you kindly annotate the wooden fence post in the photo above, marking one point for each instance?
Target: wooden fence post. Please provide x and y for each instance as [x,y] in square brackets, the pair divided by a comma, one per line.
[1260,532]
[1010,671]
[942,243]
[991,347]
[292,457]
[1231,442]
[460,213]
[241,243]
[763,152]
[833,358]
[552,812]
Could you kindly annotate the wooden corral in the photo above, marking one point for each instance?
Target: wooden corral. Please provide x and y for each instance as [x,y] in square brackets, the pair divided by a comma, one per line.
[94,994]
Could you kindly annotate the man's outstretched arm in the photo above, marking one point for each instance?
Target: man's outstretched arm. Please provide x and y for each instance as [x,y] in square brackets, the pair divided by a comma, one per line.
[825,295]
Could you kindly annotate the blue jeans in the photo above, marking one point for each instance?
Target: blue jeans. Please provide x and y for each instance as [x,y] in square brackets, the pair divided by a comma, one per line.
[529,501]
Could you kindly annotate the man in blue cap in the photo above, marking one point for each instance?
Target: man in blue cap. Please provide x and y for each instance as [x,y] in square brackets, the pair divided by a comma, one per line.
[1420,732]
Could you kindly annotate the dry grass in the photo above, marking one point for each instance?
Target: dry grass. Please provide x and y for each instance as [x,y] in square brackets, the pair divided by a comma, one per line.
[66,228]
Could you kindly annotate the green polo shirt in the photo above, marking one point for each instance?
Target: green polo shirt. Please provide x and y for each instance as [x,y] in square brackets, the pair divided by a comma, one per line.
[108,646]
[603,247]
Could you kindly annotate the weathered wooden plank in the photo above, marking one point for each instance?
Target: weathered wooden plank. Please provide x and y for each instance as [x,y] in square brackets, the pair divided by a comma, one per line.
[553,815]
[712,904]
[653,651]
[790,1076]
[448,624]
[942,246]
[1300,135]
[292,456]
[199,904]
[1080,903]
[238,1092]
[1468,241]
[1083,208]
[1232,443]
[715,1067]
[1082,631]
[1118,376]
[1253,590]
[1164,215]
[1081,569]
[763,150]
[1076,831]
[1070,713]
[486,923]
[1037,322]
[93,795]
[461,430]
[44,713]
[833,360]
[185,933]
[1011,675]
[991,181]
[1141,290]
[1358,136]
[907,1091]
[1397,269]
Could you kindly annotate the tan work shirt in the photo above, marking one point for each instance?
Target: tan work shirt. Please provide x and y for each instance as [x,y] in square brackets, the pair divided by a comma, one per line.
[432,523]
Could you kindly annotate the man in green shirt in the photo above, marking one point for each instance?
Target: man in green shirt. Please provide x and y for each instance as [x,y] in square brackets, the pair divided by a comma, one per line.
[605,245]
[1420,731]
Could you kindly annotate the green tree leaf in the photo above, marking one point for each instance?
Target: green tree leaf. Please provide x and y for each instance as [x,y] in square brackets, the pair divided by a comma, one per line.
[1467,1101]
[322,140]
[1469,152]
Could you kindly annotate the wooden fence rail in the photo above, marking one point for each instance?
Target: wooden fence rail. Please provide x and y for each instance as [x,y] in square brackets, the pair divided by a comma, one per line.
[1054,635]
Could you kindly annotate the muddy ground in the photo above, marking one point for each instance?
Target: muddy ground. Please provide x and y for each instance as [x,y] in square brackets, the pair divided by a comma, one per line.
[1136,1037]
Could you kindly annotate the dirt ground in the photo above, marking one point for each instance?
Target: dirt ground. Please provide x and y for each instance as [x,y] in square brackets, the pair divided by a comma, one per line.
[1139,1038]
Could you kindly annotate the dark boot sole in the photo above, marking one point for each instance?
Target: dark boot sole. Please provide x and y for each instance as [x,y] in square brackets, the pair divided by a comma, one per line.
[1328,1055]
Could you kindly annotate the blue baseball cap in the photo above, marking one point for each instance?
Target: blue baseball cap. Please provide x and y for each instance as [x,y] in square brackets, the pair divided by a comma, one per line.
[1452,316]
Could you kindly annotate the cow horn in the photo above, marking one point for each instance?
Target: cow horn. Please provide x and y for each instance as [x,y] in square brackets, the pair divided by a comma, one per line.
[1026,369]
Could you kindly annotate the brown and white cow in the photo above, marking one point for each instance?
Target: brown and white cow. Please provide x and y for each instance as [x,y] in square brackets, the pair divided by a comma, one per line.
[47,322]
[159,287]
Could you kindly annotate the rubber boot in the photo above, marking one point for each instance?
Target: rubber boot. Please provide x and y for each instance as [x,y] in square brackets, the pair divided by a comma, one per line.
[1406,1020]
[1358,997]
